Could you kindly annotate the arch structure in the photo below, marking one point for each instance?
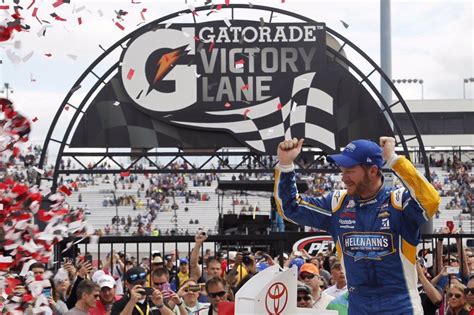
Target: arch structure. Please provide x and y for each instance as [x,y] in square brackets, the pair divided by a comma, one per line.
[222,83]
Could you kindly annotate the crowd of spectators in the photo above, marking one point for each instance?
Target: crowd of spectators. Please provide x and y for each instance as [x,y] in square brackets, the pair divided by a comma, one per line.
[169,283]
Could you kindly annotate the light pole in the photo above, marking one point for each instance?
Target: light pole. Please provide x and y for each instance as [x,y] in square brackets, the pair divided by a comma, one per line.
[466,81]
[6,89]
[410,81]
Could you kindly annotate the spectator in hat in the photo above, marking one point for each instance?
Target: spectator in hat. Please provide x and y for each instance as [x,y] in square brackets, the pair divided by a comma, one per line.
[107,295]
[309,275]
[136,301]
[304,297]
[183,273]
[87,296]
[340,286]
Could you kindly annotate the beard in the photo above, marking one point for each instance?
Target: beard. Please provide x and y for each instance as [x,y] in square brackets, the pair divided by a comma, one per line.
[361,187]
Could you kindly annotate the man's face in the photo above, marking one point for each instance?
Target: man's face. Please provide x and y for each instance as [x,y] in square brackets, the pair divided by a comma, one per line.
[184,268]
[303,300]
[310,280]
[190,296]
[107,295]
[38,271]
[471,263]
[356,179]
[160,282]
[91,299]
[216,293]
[451,261]
[338,275]
[214,269]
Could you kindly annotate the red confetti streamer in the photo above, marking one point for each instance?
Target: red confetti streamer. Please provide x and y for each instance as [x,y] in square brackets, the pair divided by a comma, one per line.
[211,46]
[130,74]
[48,54]
[65,190]
[66,107]
[196,38]
[279,106]
[120,26]
[31,4]
[246,112]
[79,20]
[35,119]
[57,17]
[58,3]
[219,6]
[142,15]
[135,2]
[227,2]
[245,87]
[35,10]
[227,105]
[195,13]
[4,7]
[125,174]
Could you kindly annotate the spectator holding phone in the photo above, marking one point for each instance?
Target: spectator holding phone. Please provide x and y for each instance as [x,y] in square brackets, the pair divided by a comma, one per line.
[189,292]
[138,300]
[83,271]
[160,281]
[87,295]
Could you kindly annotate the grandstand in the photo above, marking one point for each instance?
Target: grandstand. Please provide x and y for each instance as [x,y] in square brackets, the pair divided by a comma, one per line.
[207,212]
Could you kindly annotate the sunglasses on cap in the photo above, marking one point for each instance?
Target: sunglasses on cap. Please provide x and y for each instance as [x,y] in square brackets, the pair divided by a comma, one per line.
[216,294]
[305,297]
[456,295]
[137,276]
[304,276]
[469,291]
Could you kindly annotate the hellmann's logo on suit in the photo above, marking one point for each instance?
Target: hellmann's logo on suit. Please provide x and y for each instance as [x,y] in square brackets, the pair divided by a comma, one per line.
[373,245]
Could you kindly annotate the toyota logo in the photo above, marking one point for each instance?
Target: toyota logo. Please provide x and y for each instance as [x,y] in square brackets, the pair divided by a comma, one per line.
[276,298]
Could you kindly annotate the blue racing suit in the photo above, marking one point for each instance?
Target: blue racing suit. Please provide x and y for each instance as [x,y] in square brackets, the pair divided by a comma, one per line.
[375,238]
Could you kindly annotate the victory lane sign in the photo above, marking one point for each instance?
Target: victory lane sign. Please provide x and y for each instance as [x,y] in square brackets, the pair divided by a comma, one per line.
[210,64]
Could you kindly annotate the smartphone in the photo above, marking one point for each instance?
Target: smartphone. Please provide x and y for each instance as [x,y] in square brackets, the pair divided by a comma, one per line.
[452,270]
[194,288]
[450,226]
[148,290]
[88,258]
[47,292]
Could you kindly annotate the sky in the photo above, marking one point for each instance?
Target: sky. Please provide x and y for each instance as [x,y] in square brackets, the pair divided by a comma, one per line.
[431,40]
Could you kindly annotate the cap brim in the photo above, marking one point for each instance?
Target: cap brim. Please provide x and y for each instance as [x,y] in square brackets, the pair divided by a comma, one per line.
[342,160]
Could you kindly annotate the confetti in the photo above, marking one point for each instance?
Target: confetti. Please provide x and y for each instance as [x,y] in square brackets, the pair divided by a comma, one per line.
[64,189]
[66,107]
[211,46]
[246,112]
[35,11]
[101,14]
[125,174]
[227,2]
[344,24]
[57,17]
[279,106]
[245,87]
[35,119]
[218,7]
[120,26]
[58,3]
[4,7]
[74,89]
[73,57]
[227,105]
[48,54]
[239,63]
[262,22]
[227,22]
[31,4]
[134,2]
[197,74]
[130,74]
[116,103]
[142,13]
[27,56]
[79,20]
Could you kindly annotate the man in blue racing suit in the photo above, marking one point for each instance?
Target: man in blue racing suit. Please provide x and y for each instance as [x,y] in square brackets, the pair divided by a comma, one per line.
[375,228]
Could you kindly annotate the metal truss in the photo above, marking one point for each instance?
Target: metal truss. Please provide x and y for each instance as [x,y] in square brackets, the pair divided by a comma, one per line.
[92,72]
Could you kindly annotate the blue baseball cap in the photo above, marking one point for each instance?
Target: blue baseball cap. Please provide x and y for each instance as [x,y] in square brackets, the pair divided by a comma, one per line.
[359,152]
[183,261]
